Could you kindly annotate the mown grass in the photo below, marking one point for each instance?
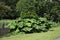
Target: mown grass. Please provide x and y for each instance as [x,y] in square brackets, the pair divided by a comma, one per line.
[52,34]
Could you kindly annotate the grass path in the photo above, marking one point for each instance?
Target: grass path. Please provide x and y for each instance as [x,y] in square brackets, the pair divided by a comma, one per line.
[50,35]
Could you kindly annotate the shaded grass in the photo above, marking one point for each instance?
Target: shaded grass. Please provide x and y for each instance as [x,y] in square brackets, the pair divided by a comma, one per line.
[52,34]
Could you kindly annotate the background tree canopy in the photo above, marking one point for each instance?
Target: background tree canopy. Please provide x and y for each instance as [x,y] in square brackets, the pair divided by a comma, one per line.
[42,8]
[9,6]
[26,8]
[4,9]
[30,9]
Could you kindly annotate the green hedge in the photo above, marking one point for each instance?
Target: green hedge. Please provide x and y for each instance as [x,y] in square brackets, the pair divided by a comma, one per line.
[30,25]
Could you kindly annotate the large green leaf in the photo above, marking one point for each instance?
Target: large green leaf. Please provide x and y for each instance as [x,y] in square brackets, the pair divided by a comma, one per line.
[38,22]
[42,27]
[12,25]
[28,24]
[52,24]
[39,26]
[27,29]
[42,19]
[20,24]
[36,26]
[26,20]
[17,30]
[33,20]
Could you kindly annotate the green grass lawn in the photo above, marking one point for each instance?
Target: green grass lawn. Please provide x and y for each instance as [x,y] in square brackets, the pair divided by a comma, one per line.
[50,35]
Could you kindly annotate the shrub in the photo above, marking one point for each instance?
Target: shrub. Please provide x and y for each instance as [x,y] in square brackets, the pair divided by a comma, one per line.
[30,25]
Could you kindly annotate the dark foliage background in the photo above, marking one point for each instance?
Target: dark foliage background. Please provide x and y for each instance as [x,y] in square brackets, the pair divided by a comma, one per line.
[8,9]
[12,9]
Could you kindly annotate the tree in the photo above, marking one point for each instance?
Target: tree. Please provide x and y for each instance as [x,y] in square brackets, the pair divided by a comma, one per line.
[26,8]
[10,6]
[43,8]
[4,9]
